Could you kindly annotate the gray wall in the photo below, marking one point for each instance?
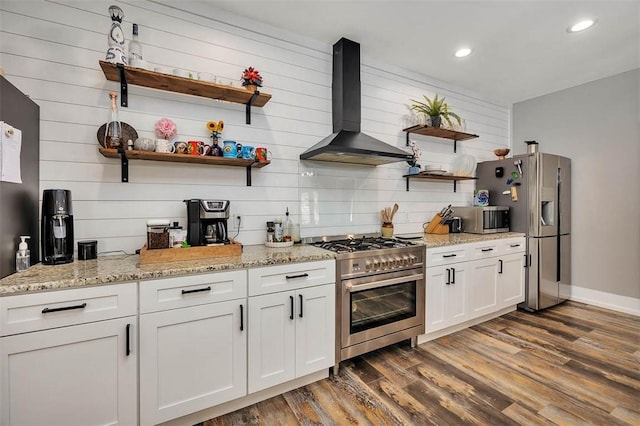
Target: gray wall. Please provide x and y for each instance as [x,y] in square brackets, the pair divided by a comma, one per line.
[597,125]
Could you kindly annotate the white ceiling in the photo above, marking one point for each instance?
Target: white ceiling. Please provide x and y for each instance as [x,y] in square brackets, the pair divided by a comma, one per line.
[521,48]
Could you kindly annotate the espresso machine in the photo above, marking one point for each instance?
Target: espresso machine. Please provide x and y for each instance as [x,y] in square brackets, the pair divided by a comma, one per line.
[57,227]
[207,222]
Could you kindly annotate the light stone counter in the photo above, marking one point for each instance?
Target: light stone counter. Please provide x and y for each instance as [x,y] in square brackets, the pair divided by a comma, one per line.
[433,240]
[112,269]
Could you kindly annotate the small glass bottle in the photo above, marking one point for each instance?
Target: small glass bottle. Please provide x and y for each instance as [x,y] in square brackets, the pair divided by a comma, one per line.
[113,132]
[278,231]
[270,232]
[287,225]
[135,48]
[23,255]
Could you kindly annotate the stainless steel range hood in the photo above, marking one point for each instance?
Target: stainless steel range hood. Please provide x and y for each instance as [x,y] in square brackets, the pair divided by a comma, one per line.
[347,144]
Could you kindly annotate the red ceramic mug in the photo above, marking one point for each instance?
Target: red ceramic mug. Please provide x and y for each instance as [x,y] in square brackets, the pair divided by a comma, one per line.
[263,155]
[197,148]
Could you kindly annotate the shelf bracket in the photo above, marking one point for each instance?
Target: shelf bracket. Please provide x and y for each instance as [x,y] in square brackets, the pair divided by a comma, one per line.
[407,178]
[124,164]
[124,88]
[248,175]
[454,185]
[455,143]
[248,107]
[407,138]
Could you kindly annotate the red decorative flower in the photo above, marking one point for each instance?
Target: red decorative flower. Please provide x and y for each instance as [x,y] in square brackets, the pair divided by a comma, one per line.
[251,76]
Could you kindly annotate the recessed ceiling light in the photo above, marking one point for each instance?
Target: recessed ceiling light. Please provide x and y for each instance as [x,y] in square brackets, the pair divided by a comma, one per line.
[581,26]
[463,52]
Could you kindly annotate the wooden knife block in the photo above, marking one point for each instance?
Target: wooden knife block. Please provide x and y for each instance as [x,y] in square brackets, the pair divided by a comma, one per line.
[434,226]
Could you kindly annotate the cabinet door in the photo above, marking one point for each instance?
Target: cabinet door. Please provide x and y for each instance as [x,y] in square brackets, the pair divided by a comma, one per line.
[191,359]
[271,340]
[436,299]
[78,375]
[457,294]
[315,329]
[483,287]
[512,279]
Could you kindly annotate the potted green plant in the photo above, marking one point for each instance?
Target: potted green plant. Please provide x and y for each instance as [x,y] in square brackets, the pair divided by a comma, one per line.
[437,109]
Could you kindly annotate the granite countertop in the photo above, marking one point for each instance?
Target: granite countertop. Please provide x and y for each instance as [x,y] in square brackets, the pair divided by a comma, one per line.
[434,240]
[113,269]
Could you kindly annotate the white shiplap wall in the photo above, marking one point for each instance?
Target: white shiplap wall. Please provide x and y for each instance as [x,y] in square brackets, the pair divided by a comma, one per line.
[50,51]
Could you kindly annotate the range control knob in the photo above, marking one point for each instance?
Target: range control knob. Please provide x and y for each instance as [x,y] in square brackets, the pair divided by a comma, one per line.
[368,265]
[405,260]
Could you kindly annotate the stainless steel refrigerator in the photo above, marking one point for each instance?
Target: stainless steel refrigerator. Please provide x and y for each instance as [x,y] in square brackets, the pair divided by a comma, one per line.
[539,196]
[19,201]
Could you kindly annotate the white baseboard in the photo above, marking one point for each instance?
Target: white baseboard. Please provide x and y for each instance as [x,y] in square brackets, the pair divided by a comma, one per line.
[615,302]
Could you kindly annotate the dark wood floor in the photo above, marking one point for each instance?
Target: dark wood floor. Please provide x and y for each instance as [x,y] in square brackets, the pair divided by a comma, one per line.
[571,364]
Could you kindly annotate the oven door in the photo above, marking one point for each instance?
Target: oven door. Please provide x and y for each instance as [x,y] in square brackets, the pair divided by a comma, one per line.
[379,305]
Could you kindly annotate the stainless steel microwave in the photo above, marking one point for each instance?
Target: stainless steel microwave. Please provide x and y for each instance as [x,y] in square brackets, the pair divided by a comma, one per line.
[483,219]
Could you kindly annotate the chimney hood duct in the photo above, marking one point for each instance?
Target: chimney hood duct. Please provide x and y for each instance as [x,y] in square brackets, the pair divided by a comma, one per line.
[346,144]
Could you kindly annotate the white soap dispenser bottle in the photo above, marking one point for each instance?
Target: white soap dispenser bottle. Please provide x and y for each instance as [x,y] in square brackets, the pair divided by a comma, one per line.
[23,256]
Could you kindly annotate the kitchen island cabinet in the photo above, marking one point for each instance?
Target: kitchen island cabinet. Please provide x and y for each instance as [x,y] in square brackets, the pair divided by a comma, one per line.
[59,365]
[291,332]
[193,348]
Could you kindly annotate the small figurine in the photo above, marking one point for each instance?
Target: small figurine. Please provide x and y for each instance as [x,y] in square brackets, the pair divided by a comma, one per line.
[116,53]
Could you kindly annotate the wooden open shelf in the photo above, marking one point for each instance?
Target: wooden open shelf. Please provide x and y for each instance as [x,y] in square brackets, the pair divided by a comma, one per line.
[439,132]
[172,83]
[428,176]
[179,158]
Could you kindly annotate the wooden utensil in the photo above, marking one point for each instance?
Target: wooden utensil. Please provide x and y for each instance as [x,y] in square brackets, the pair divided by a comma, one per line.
[393,212]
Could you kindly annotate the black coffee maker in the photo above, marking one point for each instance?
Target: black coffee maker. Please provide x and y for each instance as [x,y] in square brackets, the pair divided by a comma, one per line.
[57,227]
[207,222]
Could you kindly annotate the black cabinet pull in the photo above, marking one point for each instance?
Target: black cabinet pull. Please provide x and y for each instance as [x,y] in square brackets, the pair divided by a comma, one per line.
[453,274]
[449,255]
[514,245]
[290,277]
[448,276]
[500,271]
[197,290]
[241,318]
[64,308]
[487,249]
[291,300]
[300,305]
[127,350]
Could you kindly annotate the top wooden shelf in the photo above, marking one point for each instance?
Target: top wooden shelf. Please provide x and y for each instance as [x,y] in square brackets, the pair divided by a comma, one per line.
[172,83]
[439,132]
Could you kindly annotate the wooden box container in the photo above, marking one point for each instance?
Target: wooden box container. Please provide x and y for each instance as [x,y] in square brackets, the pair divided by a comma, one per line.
[188,253]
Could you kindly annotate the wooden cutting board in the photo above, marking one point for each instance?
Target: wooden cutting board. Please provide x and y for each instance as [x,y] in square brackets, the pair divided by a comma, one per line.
[189,253]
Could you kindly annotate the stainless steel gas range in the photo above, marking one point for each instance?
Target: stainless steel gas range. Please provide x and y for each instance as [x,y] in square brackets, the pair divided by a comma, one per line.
[380,293]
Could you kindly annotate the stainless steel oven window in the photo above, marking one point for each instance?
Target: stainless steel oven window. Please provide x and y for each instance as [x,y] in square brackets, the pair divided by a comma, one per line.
[383,305]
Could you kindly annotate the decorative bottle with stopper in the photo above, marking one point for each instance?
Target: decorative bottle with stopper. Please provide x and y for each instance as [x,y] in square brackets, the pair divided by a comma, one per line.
[23,255]
[113,132]
[288,225]
[116,52]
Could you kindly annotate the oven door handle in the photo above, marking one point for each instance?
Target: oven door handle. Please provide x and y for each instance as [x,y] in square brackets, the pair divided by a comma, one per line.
[361,287]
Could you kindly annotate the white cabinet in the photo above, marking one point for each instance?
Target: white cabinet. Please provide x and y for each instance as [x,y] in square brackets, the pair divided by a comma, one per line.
[511,278]
[469,281]
[446,296]
[193,348]
[81,373]
[291,333]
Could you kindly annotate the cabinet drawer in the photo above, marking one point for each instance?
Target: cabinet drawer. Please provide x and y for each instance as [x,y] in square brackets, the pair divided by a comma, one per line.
[292,276]
[485,249]
[512,245]
[447,255]
[180,292]
[40,311]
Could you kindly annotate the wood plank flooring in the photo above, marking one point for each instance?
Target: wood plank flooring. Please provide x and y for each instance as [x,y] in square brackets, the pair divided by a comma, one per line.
[571,364]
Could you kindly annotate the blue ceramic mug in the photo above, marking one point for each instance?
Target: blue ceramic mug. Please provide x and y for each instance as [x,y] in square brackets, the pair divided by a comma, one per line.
[229,149]
[248,152]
